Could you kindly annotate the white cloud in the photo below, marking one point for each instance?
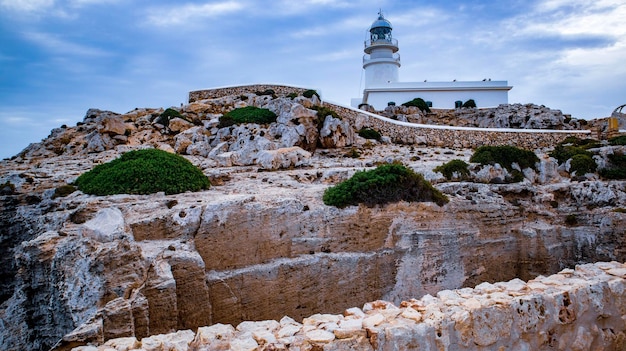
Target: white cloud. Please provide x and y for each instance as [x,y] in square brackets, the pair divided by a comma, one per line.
[27,5]
[175,15]
[348,24]
[56,44]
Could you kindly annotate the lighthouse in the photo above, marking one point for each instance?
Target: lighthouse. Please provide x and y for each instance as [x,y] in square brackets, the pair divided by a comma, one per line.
[381,60]
[382,87]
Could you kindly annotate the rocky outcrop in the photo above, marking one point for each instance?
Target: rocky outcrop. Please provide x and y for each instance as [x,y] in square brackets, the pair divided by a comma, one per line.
[260,244]
[578,309]
[263,245]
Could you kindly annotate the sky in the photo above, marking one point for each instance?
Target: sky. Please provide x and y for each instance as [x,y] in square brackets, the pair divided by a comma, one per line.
[58,58]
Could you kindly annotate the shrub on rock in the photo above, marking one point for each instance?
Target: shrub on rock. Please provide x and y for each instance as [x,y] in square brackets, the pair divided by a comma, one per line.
[505,156]
[368,133]
[582,164]
[310,93]
[419,103]
[572,146]
[167,115]
[248,114]
[455,166]
[617,168]
[384,184]
[143,172]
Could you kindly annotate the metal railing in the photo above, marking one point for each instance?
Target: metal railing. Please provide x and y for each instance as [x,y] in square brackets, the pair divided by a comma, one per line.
[381,42]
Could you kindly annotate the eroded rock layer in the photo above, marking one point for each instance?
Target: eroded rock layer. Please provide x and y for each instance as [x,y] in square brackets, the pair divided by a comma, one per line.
[578,309]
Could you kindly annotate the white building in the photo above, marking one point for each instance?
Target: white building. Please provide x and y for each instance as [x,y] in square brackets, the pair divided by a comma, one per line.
[382,61]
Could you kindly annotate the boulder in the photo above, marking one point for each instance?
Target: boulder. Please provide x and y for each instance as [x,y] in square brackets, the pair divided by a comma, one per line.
[282,158]
[178,124]
[336,133]
[112,125]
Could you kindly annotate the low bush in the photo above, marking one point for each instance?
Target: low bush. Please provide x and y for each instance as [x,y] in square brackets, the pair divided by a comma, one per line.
[322,112]
[368,133]
[469,103]
[167,115]
[384,184]
[248,114]
[505,156]
[266,92]
[292,95]
[617,168]
[618,140]
[310,93]
[582,164]
[143,172]
[63,191]
[572,146]
[455,166]
[419,103]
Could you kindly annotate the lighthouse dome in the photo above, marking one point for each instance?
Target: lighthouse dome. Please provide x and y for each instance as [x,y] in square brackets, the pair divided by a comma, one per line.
[381,22]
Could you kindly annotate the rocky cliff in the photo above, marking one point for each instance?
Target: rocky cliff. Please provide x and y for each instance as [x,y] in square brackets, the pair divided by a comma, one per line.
[260,244]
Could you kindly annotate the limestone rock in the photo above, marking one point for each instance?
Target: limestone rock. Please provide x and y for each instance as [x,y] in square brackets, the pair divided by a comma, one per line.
[112,125]
[282,158]
[336,133]
[106,226]
[178,124]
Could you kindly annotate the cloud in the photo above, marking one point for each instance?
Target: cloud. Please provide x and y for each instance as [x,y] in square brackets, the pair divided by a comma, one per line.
[56,44]
[27,5]
[176,15]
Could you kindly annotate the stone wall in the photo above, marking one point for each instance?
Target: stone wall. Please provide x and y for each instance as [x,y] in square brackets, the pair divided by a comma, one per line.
[576,309]
[411,133]
[242,89]
[458,137]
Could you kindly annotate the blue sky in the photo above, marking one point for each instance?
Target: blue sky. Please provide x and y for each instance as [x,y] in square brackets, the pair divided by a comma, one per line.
[59,58]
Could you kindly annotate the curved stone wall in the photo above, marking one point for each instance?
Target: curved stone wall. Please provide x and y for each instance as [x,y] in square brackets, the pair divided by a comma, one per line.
[411,133]
[457,137]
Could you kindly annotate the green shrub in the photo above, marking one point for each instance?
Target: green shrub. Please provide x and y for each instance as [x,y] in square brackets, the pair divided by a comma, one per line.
[266,92]
[322,112]
[617,170]
[248,114]
[515,177]
[618,140]
[368,133]
[563,153]
[143,172]
[582,164]
[419,103]
[469,103]
[63,191]
[310,93]
[505,156]
[384,184]
[458,166]
[573,146]
[292,95]
[167,115]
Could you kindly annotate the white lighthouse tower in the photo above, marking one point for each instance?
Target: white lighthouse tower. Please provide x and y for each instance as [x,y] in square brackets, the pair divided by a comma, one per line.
[381,60]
